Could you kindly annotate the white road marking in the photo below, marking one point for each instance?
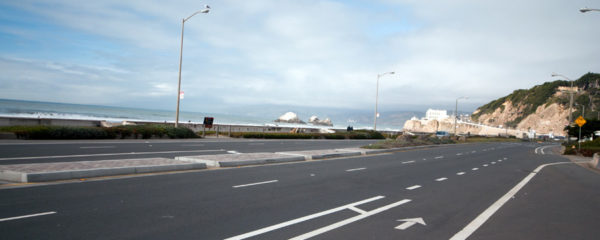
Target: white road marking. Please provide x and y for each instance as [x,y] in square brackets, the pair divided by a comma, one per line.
[349,220]
[27,216]
[473,151]
[413,187]
[485,215]
[408,162]
[358,210]
[409,222]
[255,144]
[355,169]
[505,158]
[108,154]
[252,184]
[458,154]
[424,159]
[302,219]
[475,169]
[485,165]
[93,147]
[493,162]
[438,157]
[499,160]
[460,173]
[441,179]
[233,152]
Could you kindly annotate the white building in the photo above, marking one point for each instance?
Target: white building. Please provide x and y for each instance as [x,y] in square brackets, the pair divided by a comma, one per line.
[433,114]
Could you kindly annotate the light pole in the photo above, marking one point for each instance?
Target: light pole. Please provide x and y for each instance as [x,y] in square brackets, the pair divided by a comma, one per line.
[584,10]
[456,112]
[205,10]
[570,101]
[377,98]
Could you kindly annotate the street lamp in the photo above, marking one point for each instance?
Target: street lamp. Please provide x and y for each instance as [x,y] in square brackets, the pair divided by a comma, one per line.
[456,112]
[377,98]
[584,10]
[570,101]
[205,10]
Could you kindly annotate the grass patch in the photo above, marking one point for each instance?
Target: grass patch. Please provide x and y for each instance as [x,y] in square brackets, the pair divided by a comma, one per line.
[132,131]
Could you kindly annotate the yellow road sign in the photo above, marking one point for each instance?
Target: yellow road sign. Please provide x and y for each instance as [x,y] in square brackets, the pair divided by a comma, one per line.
[580,121]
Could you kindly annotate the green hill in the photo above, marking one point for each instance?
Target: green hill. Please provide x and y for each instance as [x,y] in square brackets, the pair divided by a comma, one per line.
[528,100]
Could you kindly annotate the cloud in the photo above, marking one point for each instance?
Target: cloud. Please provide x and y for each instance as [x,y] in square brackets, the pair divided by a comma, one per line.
[306,53]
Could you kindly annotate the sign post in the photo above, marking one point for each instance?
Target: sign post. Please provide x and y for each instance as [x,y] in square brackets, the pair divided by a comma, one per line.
[580,122]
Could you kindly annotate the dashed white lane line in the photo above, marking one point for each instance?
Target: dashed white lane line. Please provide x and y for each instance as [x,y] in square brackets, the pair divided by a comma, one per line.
[27,216]
[441,179]
[438,157]
[485,215]
[408,162]
[424,159]
[475,169]
[485,165]
[413,187]
[493,162]
[460,173]
[458,154]
[252,184]
[355,169]
[499,160]
[302,219]
[473,151]
[505,158]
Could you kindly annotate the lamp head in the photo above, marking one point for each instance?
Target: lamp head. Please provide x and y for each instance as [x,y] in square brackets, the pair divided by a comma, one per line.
[584,10]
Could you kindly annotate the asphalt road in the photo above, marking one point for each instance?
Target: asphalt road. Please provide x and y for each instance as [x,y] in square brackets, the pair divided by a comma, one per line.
[13,152]
[348,198]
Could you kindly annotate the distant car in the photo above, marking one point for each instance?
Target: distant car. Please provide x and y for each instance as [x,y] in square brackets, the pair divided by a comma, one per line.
[440,134]
[559,138]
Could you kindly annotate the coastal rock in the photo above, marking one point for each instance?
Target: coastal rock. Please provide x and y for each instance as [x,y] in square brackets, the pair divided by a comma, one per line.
[289,117]
[316,121]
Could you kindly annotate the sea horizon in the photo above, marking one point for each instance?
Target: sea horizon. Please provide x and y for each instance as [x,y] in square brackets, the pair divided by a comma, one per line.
[54,110]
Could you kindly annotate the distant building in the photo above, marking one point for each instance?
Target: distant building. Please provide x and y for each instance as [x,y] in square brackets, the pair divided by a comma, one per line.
[433,114]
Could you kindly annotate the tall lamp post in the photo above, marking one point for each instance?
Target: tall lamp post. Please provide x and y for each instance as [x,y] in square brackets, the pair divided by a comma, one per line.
[456,112]
[584,10]
[570,101]
[377,98]
[205,10]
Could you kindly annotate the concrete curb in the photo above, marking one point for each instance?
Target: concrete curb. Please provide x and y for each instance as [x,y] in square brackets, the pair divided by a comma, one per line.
[594,162]
[237,163]
[24,177]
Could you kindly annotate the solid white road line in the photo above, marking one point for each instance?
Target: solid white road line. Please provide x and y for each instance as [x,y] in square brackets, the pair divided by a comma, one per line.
[92,147]
[355,169]
[485,215]
[252,184]
[27,216]
[408,162]
[302,219]
[413,187]
[349,220]
[460,173]
[109,154]
[441,179]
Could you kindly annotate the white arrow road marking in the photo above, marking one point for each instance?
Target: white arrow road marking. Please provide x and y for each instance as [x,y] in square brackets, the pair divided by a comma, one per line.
[409,222]
[27,216]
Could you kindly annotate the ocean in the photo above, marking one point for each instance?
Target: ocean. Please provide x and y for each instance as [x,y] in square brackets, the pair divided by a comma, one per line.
[34,109]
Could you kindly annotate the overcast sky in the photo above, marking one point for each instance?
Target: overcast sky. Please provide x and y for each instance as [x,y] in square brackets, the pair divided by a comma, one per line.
[299,53]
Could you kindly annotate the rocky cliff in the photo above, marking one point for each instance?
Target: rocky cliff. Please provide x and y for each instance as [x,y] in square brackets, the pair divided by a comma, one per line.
[543,108]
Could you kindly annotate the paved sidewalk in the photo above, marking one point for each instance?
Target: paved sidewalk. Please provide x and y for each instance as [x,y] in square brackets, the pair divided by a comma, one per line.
[39,172]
